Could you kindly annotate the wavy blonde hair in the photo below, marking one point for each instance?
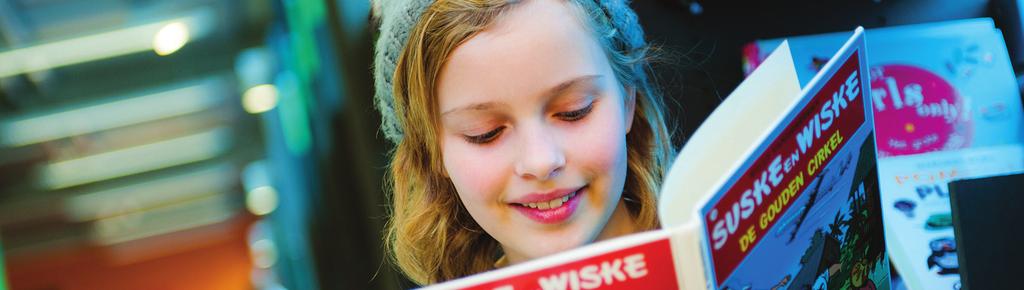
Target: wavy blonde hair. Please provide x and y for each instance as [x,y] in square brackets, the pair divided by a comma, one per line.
[430,234]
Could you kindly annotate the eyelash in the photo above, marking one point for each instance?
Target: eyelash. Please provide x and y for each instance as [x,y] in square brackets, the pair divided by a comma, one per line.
[576,115]
[570,116]
[485,137]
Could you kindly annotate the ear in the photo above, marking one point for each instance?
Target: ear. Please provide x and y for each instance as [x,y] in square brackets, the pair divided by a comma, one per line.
[630,103]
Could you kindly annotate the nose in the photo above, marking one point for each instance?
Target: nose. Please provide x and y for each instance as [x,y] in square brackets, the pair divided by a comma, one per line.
[540,156]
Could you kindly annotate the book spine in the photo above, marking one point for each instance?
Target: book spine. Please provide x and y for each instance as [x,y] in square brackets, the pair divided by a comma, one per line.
[690,263]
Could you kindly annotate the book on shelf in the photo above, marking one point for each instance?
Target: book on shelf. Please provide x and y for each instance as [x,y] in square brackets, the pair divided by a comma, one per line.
[946,106]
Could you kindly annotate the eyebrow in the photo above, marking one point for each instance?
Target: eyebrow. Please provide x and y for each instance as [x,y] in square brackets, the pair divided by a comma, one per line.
[553,91]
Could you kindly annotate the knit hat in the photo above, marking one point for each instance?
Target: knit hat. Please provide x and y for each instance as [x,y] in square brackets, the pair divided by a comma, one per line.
[397,18]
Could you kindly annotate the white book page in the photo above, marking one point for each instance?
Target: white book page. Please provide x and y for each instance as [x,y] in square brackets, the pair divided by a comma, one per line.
[728,135]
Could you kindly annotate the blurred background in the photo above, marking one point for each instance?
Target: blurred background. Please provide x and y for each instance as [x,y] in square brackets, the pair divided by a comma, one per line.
[232,144]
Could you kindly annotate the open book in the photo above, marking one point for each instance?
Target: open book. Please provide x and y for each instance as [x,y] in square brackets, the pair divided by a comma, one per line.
[778,189]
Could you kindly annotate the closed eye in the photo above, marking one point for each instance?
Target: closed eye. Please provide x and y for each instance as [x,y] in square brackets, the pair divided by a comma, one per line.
[485,137]
[577,114]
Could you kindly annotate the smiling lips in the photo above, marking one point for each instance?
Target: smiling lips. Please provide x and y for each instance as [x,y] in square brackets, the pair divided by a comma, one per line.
[550,208]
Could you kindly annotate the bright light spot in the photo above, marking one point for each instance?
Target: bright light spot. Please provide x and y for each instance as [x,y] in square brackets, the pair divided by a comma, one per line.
[261,200]
[260,99]
[264,253]
[170,38]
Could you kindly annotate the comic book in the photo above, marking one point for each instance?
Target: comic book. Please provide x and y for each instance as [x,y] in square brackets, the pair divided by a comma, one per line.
[778,189]
[947,106]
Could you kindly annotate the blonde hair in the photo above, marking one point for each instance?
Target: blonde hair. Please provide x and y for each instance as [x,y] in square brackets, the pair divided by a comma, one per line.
[431,236]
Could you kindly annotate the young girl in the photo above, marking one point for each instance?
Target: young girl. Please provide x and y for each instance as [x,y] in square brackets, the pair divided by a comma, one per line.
[523,129]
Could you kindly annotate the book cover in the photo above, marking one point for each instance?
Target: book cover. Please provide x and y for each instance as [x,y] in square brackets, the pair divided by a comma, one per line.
[984,247]
[639,261]
[804,211]
[918,208]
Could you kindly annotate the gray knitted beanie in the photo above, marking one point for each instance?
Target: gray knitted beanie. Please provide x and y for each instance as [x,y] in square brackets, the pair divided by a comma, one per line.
[397,18]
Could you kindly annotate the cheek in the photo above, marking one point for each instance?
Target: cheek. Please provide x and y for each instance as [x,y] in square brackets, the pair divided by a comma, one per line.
[476,174]
[601,143]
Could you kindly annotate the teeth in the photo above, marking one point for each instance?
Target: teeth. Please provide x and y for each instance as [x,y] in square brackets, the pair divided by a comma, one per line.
[543,205]
[554,203]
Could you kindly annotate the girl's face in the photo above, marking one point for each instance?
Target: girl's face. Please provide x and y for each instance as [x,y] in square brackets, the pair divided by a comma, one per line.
[533,125]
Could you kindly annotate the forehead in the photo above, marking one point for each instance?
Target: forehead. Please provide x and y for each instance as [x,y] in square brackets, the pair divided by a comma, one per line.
[536,45]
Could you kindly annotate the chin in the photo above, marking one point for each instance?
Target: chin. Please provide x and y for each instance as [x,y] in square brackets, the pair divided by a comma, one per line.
[546,244]
[555,247]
